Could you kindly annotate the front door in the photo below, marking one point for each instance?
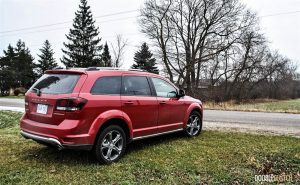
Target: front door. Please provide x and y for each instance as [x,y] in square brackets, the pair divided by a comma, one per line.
[171,108]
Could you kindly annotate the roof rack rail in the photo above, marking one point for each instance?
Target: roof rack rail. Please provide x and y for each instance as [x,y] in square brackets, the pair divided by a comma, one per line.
[141,70]
[77,68]
[112,68]
[92,69]
[57,68]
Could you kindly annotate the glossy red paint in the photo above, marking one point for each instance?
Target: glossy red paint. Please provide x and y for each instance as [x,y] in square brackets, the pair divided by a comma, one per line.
[142,115]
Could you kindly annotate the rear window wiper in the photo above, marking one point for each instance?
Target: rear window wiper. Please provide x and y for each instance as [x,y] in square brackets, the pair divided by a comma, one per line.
[38,91]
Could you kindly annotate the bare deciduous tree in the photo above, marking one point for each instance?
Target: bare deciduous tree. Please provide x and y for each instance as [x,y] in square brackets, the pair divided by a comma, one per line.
[118,50]
[215,40]
[190,32]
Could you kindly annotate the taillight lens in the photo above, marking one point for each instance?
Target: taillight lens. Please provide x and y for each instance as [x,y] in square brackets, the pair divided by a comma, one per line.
[70,104]
[26,106]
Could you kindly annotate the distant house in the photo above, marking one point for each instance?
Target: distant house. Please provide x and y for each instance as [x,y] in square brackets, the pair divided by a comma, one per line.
[297,76]
[203,84]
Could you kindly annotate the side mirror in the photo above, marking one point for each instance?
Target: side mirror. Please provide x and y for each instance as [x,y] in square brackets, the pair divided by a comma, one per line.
[181,93]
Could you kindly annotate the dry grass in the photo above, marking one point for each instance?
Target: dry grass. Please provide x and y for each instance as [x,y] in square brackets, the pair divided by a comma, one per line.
[261,105]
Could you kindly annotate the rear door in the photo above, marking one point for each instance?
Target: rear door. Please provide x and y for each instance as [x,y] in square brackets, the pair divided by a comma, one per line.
[41,98]
[139,104]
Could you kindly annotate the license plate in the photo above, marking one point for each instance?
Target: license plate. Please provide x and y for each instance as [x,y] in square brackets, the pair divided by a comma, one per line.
[42,109]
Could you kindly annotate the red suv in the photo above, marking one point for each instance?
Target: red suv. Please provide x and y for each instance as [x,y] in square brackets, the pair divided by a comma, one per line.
[102,110]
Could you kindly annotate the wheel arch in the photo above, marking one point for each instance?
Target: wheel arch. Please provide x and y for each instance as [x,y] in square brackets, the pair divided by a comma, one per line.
[191,108]
[112,117]
[198,110]
[116,121]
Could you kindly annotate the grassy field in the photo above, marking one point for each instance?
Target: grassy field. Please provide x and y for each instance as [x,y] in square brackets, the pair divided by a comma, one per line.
[211,158]
[284,106]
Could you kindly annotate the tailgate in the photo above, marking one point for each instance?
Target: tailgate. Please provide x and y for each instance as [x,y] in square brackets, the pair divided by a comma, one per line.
[41,99]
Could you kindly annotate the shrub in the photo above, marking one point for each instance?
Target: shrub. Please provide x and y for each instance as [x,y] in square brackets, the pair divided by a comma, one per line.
[19,90]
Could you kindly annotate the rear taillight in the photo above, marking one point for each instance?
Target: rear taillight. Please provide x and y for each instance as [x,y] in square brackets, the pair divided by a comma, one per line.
[70,104]
[26,106]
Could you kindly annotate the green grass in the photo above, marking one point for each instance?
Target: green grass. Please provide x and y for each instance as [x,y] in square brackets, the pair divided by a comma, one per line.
[211,158]
[284,106]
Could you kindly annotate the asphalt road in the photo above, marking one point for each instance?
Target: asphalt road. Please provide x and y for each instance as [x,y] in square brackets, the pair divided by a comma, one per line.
[12,104]
[276,123]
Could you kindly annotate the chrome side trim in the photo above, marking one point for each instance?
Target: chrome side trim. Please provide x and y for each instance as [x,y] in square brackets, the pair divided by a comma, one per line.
[158,134]
[48,140]
[59,114]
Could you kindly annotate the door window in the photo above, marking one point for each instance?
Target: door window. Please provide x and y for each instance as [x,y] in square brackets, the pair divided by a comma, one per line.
[136,86]
[163,88]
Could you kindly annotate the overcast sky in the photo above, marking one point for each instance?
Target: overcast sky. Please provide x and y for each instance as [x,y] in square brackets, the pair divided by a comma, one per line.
[280,21]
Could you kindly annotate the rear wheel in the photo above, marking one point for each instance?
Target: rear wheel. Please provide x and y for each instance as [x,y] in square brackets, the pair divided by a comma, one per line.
[194,124]
[110,145]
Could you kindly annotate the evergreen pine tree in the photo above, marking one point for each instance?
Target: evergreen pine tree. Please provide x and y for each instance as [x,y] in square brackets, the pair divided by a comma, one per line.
[8,59]
[23,66]
[143,60]
[7,73]
[106,58]
[17,67]
[83,48]
[46,60]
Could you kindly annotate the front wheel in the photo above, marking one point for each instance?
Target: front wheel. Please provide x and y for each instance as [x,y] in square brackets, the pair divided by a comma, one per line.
[110,145]
[194,124]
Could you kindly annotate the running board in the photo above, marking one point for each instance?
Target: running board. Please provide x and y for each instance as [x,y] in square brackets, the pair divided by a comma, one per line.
[158,134]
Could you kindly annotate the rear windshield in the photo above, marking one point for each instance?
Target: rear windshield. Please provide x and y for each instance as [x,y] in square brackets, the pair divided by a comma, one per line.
[56,83]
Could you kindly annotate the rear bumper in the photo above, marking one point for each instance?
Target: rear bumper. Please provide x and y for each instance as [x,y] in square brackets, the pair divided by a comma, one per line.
[54,142]
[69,134]
[42,139]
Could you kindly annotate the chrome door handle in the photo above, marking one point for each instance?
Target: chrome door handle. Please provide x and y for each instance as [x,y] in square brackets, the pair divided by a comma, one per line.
[163,102]
[129,102]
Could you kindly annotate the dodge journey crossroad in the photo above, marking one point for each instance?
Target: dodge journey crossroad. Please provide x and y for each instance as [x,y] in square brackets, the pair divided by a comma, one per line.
[102,110]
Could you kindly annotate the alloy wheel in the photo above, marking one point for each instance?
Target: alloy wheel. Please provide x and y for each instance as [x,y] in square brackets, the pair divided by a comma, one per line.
[112,145]
[194,125]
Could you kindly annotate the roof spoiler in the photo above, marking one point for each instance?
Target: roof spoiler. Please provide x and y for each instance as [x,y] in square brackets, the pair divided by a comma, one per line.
[65,71]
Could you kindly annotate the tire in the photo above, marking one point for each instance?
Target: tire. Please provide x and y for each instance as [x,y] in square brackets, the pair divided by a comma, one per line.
[110,145]
[194,124]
